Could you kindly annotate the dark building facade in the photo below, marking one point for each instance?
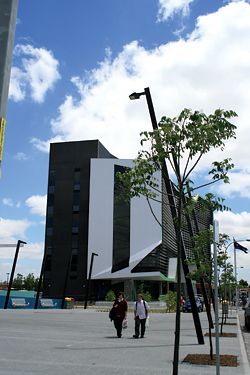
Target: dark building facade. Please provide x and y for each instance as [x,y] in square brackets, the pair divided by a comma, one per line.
[66,235]
[85,214]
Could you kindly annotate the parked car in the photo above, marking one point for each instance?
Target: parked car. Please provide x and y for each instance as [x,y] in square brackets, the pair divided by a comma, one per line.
[247,315]
[187,305]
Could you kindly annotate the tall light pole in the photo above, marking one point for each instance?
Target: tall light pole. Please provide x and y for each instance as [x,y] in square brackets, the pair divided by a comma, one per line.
[181,253]
[237,246]
[89,278]
[19,243]
[182,256]
[215,246]
[146,92]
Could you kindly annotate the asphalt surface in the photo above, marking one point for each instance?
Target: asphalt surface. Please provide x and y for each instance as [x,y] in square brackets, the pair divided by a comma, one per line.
[84,342]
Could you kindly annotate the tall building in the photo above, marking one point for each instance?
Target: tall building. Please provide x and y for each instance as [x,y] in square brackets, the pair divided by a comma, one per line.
[85,215]
[66,234]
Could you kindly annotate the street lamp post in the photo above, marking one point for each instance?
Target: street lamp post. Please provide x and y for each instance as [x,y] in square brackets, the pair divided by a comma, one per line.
[7,280]
[89,278]
[235,267]
[169,189]
[19,243]
[146,92]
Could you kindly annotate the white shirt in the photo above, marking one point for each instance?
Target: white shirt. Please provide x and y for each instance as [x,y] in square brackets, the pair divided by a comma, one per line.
[140,309]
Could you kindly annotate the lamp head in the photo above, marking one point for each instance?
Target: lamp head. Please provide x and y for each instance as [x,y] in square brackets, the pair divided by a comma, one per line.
[136,95]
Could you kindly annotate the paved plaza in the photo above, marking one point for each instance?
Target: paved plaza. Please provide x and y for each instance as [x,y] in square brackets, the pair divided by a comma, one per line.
[84,342]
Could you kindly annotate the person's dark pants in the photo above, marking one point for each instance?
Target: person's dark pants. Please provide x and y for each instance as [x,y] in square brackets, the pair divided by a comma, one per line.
[118,326]
[138,323]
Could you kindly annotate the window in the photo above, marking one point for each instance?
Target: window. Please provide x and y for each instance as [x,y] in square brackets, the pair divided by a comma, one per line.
[52,177]
[49,222]
[74,262]
[74,241]
[77,175]
[51,189]
[76,197]
[51,200]
[49,231]
[50,210]
[48,250]
[47,265]
[76,208]
[76,186]
[75,223]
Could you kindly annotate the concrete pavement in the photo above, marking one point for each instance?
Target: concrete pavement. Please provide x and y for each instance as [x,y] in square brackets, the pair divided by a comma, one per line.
[84,342]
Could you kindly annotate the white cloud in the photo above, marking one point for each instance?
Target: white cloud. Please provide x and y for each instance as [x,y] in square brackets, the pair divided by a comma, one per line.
[239,185]
[29,251]
[8,202]
[38,73]
[234,224]
[208,70]
[20,156]
[12,229]
[29,259]
[37,204]
[167,8]
[30,255]
[18,83]
[33,251]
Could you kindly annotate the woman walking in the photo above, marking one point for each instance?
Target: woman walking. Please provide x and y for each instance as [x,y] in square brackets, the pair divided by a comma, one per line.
[120,307]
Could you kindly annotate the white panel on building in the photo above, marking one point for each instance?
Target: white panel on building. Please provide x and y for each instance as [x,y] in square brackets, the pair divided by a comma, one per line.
[145,232]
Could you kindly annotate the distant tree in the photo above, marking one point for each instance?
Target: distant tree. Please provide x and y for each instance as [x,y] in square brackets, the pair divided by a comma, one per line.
[30,282]
[18,281]
[243,283]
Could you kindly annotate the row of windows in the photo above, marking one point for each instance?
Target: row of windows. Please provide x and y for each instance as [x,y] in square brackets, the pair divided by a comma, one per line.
[75,222]
[73,262]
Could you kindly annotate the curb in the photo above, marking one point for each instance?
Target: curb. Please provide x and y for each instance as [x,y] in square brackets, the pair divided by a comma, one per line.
[245,363]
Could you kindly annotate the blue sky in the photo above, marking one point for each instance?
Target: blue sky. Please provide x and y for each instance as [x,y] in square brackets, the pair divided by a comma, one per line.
[74,65]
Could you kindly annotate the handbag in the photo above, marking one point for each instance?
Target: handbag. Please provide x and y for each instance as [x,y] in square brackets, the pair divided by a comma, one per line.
[112,314]
[125,324]
[147,322]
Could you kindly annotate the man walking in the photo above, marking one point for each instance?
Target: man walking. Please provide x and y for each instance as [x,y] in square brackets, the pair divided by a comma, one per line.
[141,309]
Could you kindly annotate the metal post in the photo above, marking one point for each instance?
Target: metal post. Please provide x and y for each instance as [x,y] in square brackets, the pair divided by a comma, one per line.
[89,278]
[12,273]
[39,284]
[65,283]
[216,240]
[151,108]
[235,275]
[169,189]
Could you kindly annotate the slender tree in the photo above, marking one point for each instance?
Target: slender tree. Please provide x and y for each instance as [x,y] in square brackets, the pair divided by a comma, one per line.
[182,142]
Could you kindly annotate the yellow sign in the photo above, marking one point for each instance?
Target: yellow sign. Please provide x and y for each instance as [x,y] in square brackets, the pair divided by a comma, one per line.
[2,128]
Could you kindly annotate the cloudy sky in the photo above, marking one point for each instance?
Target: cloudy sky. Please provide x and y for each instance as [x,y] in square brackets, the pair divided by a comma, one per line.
[74,65]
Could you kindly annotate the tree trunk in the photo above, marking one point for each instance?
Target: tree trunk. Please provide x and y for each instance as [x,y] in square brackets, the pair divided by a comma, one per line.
[178,298]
